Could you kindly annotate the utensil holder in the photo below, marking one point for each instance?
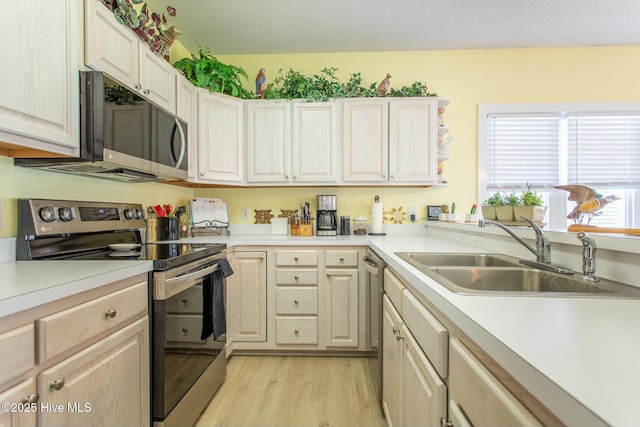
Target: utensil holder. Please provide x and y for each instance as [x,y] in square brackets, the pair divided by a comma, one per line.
[306,229]
[168,228]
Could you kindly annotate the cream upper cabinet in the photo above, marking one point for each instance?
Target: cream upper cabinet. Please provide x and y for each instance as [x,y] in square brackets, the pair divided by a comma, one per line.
[220,138]
[413,140]
[365,140]
[314,143]
[291,142]
[247,297]
[39,80]
[390,141]
[187,110]
[116,50]
[268,126]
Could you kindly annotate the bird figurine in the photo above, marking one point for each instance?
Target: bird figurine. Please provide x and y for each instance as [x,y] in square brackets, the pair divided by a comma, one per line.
[588,201]
[383,87]
[171,35]
[261,83]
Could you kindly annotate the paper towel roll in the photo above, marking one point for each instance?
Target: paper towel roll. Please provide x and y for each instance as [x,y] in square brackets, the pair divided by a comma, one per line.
[376,217]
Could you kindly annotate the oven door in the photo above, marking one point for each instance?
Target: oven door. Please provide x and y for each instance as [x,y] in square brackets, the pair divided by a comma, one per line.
[184,298]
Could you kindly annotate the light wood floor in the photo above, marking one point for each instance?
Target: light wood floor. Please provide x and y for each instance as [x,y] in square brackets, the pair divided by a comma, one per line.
[287,391]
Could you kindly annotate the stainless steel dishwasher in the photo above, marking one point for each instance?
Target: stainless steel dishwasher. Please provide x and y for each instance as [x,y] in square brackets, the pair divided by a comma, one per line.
[374,269]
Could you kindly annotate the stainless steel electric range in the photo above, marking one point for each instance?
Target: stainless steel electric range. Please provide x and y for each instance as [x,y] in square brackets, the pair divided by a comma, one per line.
[186,289]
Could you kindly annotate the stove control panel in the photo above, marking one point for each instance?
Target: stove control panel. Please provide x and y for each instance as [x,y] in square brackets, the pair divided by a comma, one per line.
[40,217]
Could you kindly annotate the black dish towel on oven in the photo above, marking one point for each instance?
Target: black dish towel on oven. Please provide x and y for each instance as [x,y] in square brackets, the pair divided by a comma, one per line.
[213,307]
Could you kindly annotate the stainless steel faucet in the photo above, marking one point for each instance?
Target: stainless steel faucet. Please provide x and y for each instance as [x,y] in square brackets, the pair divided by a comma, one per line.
[542,251]
[588,257]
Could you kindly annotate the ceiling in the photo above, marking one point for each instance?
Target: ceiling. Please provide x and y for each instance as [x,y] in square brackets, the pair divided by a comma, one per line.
[306,26]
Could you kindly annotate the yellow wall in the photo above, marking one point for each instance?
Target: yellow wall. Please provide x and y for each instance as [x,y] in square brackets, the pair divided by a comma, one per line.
[467,77]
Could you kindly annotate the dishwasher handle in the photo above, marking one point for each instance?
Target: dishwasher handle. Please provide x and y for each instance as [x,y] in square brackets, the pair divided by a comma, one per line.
[370,265]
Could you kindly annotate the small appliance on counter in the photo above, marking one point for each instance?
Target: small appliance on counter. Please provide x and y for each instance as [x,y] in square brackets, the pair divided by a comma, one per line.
[327,218]
[345,225]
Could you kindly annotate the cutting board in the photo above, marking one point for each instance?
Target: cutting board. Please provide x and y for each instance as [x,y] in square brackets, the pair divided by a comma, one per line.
[594,229]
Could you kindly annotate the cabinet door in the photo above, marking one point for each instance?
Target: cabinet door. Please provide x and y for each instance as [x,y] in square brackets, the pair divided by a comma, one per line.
[110,46]
[413,140]
[104,384]
[23,394]
[157,79]
[391,364]
[220,138]
[365,140]
[247,296]
[39,80]
[480,396]
[314,142]
[268,141]
[187,110]
[342,308]
[424,395]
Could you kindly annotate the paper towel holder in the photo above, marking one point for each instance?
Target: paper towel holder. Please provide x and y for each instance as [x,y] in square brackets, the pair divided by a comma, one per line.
[376,200]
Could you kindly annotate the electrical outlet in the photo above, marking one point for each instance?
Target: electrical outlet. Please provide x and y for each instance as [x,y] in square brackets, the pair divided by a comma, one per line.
[246,214]
[412,214]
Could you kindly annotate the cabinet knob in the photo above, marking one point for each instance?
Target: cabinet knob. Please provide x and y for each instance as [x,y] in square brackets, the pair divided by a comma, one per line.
[296,302]
[393,176]
[395,330]
[185,330]
[295,332]
[286,176]
[341,259]
[184,300]
[137,86]
[110,313]
[445,423]
[57,384]
[31,398]
[384,175]
[399,336]
[295,176]
[296,277]
[203,173]
[295,259]
[146,91]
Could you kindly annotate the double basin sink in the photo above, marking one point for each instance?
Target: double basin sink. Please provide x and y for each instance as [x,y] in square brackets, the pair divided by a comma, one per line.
[495,274]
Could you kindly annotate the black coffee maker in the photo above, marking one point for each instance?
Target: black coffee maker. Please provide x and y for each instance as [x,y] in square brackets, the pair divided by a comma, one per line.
[327,216]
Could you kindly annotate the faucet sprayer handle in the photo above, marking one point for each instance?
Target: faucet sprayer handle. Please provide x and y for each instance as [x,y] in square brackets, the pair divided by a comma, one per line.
[586,240]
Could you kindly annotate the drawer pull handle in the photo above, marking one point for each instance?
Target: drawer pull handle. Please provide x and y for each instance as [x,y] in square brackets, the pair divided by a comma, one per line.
[296,302]
[57,384]
[295,332]
[110,313]
[31,398]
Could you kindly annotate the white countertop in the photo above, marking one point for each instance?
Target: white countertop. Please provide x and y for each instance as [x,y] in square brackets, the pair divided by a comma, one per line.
[586,349]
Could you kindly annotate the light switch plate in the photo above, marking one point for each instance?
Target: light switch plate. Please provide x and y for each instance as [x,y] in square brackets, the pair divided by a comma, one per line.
[246,214]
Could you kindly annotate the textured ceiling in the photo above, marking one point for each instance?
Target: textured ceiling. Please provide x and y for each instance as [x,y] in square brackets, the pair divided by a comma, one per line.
[298,26]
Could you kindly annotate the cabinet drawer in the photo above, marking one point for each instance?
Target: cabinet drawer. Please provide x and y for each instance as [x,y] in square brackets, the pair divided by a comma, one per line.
[292,276]
[296,300]
[296,330]
[190,302]
[430,334]
[17,352]
[307,258]
[69,328]
[341,258]
[480,396]
[393,288]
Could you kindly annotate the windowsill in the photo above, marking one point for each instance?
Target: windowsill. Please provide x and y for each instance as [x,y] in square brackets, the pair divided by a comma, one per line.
[613,242]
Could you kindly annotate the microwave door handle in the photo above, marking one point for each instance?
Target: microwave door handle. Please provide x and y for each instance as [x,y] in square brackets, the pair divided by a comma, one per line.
[183,144]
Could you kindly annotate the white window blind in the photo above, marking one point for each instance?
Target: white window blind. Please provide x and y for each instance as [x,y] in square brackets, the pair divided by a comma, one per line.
[521,149]
[604,150]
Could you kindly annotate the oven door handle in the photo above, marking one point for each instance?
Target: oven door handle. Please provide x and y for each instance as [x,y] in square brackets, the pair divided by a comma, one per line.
[192,277]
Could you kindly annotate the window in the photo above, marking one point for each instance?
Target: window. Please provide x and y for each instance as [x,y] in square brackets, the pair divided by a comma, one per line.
[545,145]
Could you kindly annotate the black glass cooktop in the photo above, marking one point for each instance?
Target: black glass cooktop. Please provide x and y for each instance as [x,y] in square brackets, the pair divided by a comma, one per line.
[163,255]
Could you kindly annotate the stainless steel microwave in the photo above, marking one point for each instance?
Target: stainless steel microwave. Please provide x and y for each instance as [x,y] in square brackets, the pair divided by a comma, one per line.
[123,136]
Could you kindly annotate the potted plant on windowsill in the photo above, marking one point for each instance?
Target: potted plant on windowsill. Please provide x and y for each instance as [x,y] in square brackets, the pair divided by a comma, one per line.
[530,206]
[489,206]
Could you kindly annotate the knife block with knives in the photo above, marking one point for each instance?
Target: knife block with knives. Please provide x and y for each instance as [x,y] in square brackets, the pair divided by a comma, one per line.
[306,222]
